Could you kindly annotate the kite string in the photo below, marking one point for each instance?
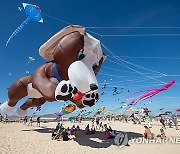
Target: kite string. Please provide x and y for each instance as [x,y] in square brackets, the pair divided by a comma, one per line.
[104,35]
[133,27]
[140,67]
[63,21]
[121,61]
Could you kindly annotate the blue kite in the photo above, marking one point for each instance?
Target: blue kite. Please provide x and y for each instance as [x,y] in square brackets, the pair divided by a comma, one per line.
[33,13]
[38,108]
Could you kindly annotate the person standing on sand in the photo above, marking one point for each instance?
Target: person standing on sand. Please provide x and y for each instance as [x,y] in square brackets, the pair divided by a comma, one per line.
[30,121]
[162,121]
[25,120]
[175,121]
[38,121]
[1,117]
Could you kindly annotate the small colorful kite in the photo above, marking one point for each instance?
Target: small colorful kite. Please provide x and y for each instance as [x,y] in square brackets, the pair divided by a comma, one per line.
[149,93]
[66,110]
[88,113]
[30,60]
[33,13]
[100,110]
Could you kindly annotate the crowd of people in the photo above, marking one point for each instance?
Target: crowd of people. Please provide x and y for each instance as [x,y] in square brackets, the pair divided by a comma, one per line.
[97,125]
[61,133]
[170,121]
[65,134]
[30,120]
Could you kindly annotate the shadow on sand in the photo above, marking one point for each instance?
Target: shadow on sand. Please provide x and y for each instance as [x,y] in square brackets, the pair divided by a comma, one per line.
[97,140]
[40,130]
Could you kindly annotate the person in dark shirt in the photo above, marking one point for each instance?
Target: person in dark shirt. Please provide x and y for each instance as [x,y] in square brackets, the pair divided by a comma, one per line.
[65,135]
[58,126]
[162,121]
[87,131]
[38,121]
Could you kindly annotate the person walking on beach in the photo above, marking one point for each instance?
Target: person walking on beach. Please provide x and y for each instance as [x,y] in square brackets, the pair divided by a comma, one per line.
[174,119]
[162,121]
[30,121]
[38,121]
[25,120]
[1,117]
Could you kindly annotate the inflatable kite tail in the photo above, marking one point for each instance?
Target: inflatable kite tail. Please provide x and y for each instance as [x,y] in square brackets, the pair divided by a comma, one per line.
[18,29]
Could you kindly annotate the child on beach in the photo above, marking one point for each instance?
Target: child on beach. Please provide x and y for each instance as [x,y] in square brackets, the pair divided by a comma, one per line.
[163,136]
[149,125]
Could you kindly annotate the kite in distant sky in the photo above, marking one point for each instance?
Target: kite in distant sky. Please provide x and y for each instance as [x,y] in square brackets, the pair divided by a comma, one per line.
[100,110]
[177,110]
[104,86]
[38,108]
[80,113]
[88,113]
[66,110]
[30,60]
[33,13]
[19,8]
[150,93]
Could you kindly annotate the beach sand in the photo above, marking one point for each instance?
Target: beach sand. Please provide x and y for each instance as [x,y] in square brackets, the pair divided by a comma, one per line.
[16,138]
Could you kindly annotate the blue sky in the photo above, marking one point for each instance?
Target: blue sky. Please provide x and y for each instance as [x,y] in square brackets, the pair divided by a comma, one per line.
[144,62]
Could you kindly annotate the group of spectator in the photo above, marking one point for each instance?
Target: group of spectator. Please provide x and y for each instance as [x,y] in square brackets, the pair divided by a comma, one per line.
[60,133]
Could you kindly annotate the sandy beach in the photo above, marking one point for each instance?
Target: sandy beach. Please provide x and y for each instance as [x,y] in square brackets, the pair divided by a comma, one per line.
[24,139]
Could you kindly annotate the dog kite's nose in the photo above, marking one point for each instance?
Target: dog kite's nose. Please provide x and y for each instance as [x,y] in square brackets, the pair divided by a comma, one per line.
[93,86]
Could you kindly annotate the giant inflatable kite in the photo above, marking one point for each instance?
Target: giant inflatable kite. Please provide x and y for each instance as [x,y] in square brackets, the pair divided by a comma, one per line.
[74,58]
